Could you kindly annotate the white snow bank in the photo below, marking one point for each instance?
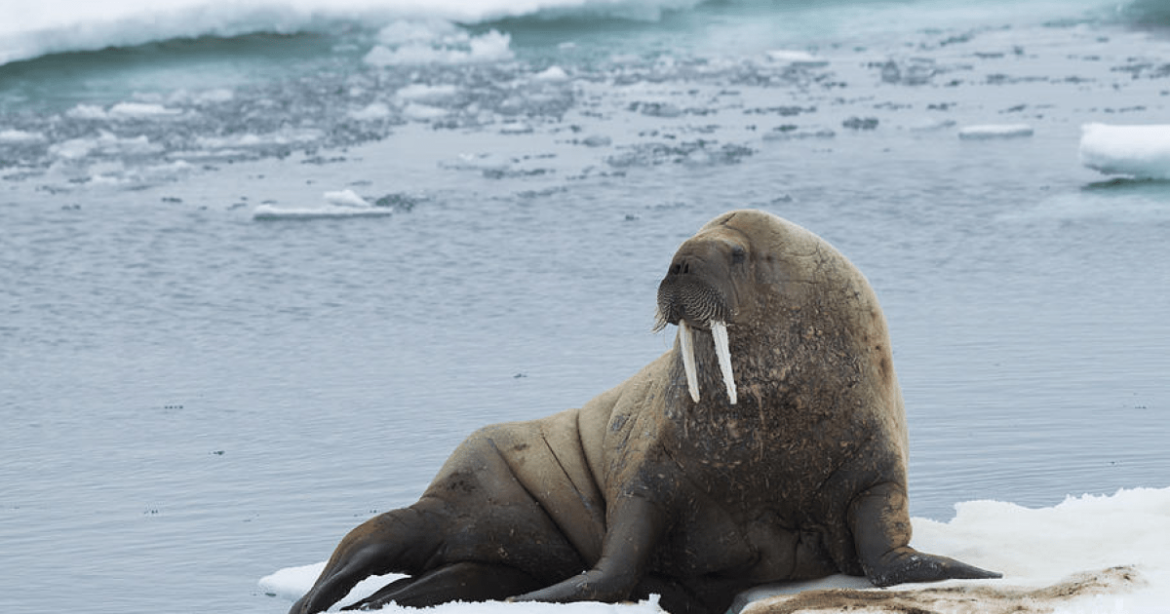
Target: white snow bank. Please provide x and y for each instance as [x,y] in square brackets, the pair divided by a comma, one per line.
[995,131]
[1041,549]
[1141,152]
[339,204]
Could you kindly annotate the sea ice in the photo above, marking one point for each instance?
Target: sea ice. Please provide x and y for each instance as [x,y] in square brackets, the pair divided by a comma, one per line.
[1118,546]
[338,204]
[422,112]
[428,94]
[371,112]
[802,59]
[995,131]
[1141,152]
[552,73]
[491,46]
[130,110]
[20,136]
[345,198]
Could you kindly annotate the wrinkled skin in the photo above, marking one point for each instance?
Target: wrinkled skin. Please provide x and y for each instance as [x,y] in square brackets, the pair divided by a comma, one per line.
[645,490]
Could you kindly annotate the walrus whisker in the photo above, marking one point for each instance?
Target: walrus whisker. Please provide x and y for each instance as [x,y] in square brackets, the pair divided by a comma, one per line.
[723,351]
[687,345]
[659,320]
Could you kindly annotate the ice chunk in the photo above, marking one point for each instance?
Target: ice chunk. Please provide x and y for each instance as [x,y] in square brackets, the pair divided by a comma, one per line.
[345,198]
[995,131]
[422,112]
[20,136]
[339,204]
[460,48]
[132,110]
[802,59]
[552,74]
[372,112]
[1142,152]
[422,93]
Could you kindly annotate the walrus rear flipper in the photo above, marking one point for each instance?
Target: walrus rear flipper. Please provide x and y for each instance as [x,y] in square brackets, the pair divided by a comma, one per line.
[880,523]
[456,582]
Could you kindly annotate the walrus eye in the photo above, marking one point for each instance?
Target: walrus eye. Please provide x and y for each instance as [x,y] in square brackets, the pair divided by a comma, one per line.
[738,254]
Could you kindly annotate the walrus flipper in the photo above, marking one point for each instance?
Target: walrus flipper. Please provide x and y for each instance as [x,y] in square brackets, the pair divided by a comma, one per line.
[396,541]
[880,522]
[455,582]
[636,526]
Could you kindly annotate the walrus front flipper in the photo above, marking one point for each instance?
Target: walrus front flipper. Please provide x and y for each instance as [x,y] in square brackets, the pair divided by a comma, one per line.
[635,527]
[880,522]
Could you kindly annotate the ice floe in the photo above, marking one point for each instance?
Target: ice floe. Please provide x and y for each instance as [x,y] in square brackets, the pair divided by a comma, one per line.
[338,204]
[1086,554]
[995,131]
[1141,152]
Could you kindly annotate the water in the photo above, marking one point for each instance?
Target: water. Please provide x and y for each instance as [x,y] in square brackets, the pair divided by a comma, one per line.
[193,398]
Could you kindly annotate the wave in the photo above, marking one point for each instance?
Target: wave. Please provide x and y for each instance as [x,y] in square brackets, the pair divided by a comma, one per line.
[37,29]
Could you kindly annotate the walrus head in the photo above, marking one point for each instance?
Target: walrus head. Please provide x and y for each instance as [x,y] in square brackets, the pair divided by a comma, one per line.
[699,291]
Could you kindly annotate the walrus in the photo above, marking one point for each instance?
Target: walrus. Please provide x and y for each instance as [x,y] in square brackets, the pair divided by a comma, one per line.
[768,444]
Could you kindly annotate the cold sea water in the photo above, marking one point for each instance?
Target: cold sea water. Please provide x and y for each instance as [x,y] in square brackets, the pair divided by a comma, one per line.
[214,360]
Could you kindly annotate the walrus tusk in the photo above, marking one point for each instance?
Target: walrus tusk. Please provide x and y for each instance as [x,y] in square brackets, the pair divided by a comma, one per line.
[687,345]
[723,351]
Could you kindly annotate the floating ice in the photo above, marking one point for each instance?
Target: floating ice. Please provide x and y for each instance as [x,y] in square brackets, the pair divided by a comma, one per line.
[87,111]
[345,198]
[786,132]
[459,48]
[995,131]
[338,204]
[485,162]
[105,143]
[796,58]
[372,112]
[420,92]
[554,74]
[1141,152]
[422,112]
[130,110]
[247,139]
[1033,548]
[20,136]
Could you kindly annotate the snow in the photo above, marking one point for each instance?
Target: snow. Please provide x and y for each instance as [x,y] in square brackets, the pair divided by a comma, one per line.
[1086,554]
[1141,152]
